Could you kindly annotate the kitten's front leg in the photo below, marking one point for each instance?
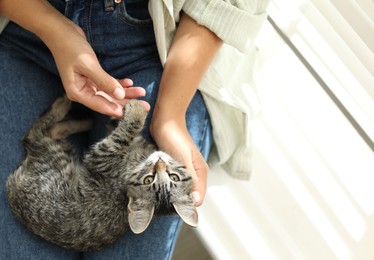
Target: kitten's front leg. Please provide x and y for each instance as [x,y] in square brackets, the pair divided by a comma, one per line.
[106,155]
[131,124]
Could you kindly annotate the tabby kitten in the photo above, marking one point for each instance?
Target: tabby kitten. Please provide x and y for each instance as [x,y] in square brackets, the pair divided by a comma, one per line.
[122,182]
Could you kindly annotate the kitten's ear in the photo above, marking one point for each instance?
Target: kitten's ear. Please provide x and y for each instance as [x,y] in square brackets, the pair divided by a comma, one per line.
[139,218]
[188,212]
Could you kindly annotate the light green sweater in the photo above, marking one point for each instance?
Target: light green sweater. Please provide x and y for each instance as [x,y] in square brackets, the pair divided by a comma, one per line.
[227,87]
[3,22]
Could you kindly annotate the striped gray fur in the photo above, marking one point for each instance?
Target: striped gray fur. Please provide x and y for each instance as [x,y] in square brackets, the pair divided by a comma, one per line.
[85,205]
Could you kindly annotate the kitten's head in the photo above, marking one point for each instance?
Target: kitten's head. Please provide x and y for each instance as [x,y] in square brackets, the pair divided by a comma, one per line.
[159,184]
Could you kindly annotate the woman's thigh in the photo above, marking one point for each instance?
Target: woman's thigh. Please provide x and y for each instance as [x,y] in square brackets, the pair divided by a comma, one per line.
[26,90]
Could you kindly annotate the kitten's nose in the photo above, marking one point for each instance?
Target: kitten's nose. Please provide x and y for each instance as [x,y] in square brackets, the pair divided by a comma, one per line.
[160,165]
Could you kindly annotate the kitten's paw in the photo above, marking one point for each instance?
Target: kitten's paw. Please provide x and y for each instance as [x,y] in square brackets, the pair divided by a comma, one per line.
[134,111]
[61,107]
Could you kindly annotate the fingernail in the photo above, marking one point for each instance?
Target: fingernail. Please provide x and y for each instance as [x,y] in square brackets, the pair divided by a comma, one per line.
[196,196]
[119,93]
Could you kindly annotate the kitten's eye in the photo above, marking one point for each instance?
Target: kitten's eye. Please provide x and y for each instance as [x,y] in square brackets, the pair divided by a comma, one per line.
[148,180]
[174,177]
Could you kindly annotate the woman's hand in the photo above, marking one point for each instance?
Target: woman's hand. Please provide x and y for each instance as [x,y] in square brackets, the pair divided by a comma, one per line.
[82,76]
[173,138]
[84,79]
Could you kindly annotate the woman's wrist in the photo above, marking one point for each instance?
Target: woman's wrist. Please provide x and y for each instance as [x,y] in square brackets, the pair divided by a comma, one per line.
[56,31]
[165,120]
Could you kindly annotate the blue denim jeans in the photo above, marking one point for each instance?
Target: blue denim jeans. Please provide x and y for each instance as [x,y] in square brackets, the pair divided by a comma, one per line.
[123,39]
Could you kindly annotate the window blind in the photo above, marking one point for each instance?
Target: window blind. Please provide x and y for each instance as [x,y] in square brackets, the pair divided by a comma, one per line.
[310,194]
[336,39]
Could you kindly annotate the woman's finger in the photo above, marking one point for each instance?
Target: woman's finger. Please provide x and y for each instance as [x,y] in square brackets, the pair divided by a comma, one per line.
[134,92]
[200,180]
[99,103]
[103,81]
[126,82]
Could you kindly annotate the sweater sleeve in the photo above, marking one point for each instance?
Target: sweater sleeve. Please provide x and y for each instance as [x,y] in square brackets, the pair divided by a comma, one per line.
[236,22]
[3,22]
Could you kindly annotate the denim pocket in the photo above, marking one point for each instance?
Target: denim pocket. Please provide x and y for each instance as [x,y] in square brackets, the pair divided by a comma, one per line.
[134,12]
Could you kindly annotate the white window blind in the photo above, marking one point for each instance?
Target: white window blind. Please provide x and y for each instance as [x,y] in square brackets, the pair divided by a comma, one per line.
[336,39]
[310,196]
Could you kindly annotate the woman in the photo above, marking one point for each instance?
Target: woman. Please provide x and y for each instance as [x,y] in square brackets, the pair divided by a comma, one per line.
[95,50]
